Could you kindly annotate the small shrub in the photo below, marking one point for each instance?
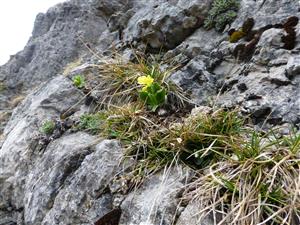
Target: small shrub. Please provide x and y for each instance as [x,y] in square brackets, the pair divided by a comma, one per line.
[79,81]
[223,12]
[47,127]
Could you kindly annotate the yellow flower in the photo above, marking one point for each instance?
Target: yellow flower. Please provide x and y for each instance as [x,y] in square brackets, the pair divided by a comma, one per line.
[146,81]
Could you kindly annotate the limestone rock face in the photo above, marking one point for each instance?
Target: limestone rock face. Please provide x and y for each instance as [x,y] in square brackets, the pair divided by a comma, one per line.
[190,215]
[155,202]
[85,190]
[21,147]
[166,24]
[55,41]
[70,177]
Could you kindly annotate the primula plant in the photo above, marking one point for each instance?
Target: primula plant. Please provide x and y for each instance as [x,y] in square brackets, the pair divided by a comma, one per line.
[146,81]
[152,93]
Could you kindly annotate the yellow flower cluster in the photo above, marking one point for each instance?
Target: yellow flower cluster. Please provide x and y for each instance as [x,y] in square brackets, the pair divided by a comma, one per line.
[146,81]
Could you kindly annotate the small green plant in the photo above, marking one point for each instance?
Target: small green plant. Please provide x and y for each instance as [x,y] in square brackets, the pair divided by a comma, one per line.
[91,122]
[223,12]
[153,94]
[79,81]
[47,127]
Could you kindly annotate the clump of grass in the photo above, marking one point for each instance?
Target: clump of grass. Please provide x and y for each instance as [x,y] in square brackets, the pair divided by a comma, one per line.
[157,142]
[91,122]
[255,182]
[119,82]
[223,12]
[47,127]
[134,127]
[206,136]
[245,177]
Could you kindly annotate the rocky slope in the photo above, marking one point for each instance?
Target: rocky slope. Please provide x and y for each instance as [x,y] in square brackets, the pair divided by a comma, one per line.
[73,177]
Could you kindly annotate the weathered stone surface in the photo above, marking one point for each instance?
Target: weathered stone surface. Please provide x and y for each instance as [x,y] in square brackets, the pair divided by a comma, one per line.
[266,87]
[57,39]
[19,149]
[195,78]
[155,202]
[52,172]
[84,196]
[293,66]
[54,43]
[166,24]
[269,43]
[268,96]
[265,12]
[70,180]
[70,175]
[191,216]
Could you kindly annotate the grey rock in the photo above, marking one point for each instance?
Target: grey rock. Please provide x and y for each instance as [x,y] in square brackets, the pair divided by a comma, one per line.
[200,42]
[57,39]
[166,24]
[155,202]
[277,76]
[52,172]
[293,66]
[268,46]
[270,96]
[195,78]
[63,183]
[265,12]
[84,197]
[20,147]
[266,88]
[191,216]
[55,42]
[271,37]
[108,8]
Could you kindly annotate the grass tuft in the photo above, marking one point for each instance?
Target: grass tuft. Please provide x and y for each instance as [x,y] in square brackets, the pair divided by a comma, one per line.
[119,82]
[255,182]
